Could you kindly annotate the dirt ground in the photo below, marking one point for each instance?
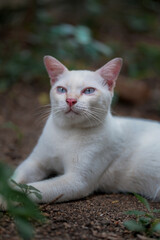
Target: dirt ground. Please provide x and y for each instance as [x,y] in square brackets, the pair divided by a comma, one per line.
[99,216]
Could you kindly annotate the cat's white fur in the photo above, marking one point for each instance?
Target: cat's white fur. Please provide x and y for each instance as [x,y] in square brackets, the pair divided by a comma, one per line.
[90,149]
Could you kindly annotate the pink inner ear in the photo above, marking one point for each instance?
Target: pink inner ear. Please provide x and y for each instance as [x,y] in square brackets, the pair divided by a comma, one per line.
[54,68]
[110,71]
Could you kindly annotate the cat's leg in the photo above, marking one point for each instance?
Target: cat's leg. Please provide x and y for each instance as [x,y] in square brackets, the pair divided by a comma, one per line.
[23,174]
[67,187]
[34,168]
[29,171]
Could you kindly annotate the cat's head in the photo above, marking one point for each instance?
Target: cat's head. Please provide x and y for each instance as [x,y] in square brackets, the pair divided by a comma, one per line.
[81,98]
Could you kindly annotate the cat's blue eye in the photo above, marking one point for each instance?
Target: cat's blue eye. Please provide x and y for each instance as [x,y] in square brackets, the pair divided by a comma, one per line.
[89,90]
[61,90]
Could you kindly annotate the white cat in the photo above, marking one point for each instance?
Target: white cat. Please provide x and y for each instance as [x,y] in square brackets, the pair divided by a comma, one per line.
[86,146]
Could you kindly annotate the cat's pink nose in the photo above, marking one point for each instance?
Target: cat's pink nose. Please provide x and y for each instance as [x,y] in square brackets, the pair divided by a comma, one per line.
[71,101]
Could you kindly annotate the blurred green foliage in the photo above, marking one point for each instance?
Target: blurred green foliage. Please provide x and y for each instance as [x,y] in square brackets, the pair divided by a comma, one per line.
[144,61]
[64,41]
[67,29]
[77,43]
[19,206]
[145,222]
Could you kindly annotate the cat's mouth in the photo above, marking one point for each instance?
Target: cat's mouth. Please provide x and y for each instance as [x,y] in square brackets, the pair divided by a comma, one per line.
[71,111]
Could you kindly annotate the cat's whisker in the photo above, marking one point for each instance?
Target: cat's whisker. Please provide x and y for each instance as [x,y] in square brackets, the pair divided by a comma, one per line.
[43,116]
[85,115]
[95,110]
[94,114]
[97,113]
[55,113]
[99,109]
[91,107]
[61,107]
[43,113]
[40,114]
[95,117]
[115,113]
[44,106]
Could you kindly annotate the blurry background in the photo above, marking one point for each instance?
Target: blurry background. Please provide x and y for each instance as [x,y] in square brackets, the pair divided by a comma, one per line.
[83,35]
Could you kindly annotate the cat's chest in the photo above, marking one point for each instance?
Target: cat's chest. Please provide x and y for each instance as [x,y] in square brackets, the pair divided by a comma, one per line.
[62,144]
[67,143]
[72,147]
[62,149]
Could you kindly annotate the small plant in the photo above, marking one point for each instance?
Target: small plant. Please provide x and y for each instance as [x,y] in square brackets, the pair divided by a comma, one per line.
[19,206]
[144,221]
[27,190]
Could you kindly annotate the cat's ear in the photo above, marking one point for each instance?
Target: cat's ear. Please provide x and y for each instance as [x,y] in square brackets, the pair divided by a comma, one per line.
[110,71]
[54,68]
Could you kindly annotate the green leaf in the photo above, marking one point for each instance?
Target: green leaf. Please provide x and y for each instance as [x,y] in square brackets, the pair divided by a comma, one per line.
[26,209]
[5,172]
[83,35]
[22,212]
[17,184]
[145,220]
[135,213]
[38,195]
[23,187]
[150,215]
[24,228]
[33,188]
[156,210]
[132,225]
[143,200]
[103,49]
[63,30]
[155,227]
[28,189]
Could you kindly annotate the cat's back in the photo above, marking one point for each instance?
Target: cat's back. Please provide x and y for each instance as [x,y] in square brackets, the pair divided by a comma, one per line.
[139,133]
[139,155]
[137,125]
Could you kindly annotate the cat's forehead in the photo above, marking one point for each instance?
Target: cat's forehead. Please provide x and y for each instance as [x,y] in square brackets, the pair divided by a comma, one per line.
[80,78]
